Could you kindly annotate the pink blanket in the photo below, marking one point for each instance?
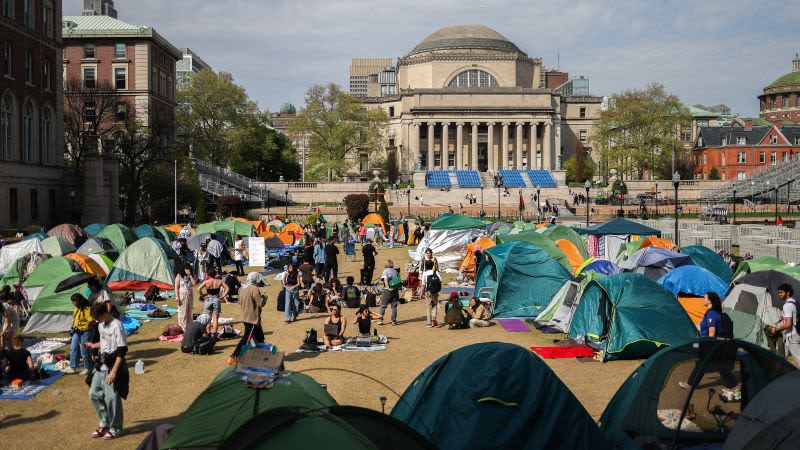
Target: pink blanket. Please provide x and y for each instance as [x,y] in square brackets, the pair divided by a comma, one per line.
[177,338]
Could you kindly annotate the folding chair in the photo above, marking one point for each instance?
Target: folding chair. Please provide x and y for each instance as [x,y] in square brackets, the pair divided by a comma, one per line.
[350,250]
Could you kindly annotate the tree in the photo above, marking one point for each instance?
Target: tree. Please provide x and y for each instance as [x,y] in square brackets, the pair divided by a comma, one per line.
[89,116]
[357,206]
[390,167]
[262,153]
[639,131]
[339,128]
[383,210]
[579,167]
[713,174]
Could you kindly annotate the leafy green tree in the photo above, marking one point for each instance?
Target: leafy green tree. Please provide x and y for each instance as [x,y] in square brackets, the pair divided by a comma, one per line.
[639,131]
[262,153]
[339,128]
[383,210]
[713,174]
[579,167]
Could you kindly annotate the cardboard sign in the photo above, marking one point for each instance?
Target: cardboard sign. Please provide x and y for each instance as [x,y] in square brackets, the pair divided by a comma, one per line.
[260,358]
[257,252]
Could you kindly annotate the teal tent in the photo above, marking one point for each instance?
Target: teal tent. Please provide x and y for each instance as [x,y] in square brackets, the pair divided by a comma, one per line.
[457,222]
[620,227]
[522,278]
[650,404]
[94,228]
[541,241]
[709,260]
[630,316]
[119,235]
[496,396]
[561,232]
[145,230]
[39,236]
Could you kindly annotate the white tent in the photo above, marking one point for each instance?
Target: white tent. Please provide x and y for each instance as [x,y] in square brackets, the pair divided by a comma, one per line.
[558,314]
[10,253]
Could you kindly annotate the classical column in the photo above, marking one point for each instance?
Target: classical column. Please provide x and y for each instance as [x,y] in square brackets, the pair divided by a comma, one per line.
[415,147]
[490,146]
[518,141]
[444,155]
[532,147]
[557,144]
[429,164]
[547,147]
[459,145]
[474,147]
[504,147]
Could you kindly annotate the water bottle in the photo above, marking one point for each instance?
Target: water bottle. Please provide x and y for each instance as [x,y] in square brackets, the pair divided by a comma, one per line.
[139,368]
[580,340]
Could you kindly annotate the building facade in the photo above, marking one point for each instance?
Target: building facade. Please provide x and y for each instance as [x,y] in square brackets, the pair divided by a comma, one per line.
[781,99]
[190,64]
[33,186]
[99,8]
[468,98]
[360,71]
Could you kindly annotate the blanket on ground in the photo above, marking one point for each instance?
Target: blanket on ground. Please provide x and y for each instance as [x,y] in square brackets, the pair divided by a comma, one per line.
[563,352]
[29,389]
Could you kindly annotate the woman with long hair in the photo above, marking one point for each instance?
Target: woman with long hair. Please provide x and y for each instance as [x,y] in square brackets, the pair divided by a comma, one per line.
[82,323]
[184,282]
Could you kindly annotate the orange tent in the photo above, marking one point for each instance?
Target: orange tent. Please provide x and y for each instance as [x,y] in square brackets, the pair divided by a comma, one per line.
[87,264]
[652,241]
[374,219]
[177,228]
[294,227]
[259,225]
[694,307]
[573,254]
[468,265]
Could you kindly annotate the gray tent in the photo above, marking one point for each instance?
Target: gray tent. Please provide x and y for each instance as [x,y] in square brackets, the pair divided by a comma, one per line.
[273,243]
[96,245]
[558,314]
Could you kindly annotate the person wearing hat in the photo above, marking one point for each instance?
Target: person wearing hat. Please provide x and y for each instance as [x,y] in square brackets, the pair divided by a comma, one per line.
[251,301]
[454,313]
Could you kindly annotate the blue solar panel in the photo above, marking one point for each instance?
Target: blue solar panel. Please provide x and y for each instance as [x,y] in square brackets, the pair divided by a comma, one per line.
[512,178]
[541,178]
[438,179]
[468,178]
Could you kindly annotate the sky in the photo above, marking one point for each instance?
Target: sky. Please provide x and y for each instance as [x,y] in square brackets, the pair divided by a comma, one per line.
[706,52]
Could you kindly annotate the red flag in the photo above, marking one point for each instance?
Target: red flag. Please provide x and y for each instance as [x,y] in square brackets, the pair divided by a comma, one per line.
[521,202]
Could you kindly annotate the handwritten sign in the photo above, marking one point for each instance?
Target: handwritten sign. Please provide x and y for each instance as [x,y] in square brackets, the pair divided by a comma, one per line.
[257,252]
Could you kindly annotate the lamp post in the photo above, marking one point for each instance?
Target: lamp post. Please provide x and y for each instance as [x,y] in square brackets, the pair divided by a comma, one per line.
[676,181]
[481,213]
[268,203]
[249,195]
[408,201]
[175,193]
[376,199]
[656,200]
[538,202]
[499,183]
[587,185]
[286,203]
[776,205]
[734,206]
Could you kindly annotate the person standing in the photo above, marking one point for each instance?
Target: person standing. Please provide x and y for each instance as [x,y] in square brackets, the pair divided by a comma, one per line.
[214,290]
[81,325]
[331,260]
[202,262]
[369,252]
[362,233]
[308,250]
[100,295]
[252,301]
[791,339]
[291,284]
[110,378]
[238,255]
[391,294]
[405,232]
[432,285]
[184,282]
[10,325]
[392,230]
[335,231]
[319,258]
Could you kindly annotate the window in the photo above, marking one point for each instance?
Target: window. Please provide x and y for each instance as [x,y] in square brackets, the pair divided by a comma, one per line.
[34,204]
[8,8]
[741,176]
[154,80]
[27,12]
[724,159]
[773,158]
[391,142]
[724,141]
[7,127]
[702,123]
[423,131]
[391,111]
[120,78]
[46,78]
[51,204]
[121,112]
[786,156]
[47,20]
[88,78]
[88,50]
[686,135]
[582,113]
[797,140]
[473,78]
[90,111]
[773,139]
[740,140]
[28,66]
[119,50]
[12,204]
[584,136]
[28,137]
[8,55]
[762,157]
[700,141]
[785,102]
[47,136]
[741,157]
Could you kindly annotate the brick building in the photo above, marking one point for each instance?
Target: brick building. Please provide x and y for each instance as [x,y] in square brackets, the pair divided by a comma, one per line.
[781,99]
[33,188]
[742,150]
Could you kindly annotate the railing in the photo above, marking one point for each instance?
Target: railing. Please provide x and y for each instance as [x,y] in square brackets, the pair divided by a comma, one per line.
[218,181]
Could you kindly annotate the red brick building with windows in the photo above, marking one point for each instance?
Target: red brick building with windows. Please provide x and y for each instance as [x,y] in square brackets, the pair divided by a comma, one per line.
[742,150]
[781,99]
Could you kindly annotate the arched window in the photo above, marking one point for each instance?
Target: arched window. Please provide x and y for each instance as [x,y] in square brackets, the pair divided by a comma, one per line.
[7,127]
[473,78]
[27,132]
[47,136]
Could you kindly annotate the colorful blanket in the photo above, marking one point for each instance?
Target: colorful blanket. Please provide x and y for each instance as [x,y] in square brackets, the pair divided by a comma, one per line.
[143,315]
[29,389]
[564,352]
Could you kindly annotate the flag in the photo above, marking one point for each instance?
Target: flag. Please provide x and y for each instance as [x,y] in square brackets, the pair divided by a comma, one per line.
[521,203]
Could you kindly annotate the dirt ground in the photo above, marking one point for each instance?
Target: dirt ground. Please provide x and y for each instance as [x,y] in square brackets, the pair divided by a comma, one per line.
[173,380]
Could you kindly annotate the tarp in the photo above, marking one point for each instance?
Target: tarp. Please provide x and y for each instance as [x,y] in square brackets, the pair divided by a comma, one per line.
[21,268]
[709,260]
[467,267]
[693,280]
[571,252]
[654,262]
[457,222]
[94,228]
[650,403]
[523,278]
[598,265]
[630,316]
[228,228]
[12,252]
[541,241]
[146,262]
[72,233]
[758,264]
[234,404]
[57,246]
[496,395]
[620,226]
[119,235]
[561,232]
[447,245]
[652,241]
[374,219]
[88,265]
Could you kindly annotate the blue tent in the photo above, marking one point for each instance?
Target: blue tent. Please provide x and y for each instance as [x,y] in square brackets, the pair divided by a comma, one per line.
[599,265]
[693,280]
[709,259]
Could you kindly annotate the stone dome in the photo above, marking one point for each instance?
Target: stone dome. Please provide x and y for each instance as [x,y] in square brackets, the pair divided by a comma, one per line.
[463,37]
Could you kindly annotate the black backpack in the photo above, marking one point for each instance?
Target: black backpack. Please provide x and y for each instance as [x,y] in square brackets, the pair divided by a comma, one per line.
[310,342]
[371,300]
[725,326]
[434,283]
[352,297]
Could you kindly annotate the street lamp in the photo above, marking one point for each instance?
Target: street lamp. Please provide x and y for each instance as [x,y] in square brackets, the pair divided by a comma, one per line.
[656,199]
[481,213]
[734,206]
[776,204]
[676,181]
[286,203]
[499,183]
[538,202]
[408,200]
[587,185]
[268,203]
[376,199]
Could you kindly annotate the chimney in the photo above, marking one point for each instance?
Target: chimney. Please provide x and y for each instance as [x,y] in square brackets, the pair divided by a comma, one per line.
[777,123]
[748,123]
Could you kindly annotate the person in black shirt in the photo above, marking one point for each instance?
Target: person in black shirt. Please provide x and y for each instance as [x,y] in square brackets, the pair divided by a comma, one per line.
[363,320]
[233,287]
[331,262]
[369,252]
[308,250]
[20,362]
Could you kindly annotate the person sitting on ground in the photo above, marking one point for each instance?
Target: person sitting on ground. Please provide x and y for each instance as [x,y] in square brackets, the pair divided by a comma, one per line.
[335,289]
[479,316]
[317,298]
[351,293]
[363,320]
[214,289]
[20,362]
[233,284]
[454,313]
[339,322]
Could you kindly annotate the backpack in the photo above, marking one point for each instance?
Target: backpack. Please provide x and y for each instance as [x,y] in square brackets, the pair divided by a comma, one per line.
[204,346]
[726,326]
[371,300]
[310,342]
[796,323]
[434,283]
[352,297]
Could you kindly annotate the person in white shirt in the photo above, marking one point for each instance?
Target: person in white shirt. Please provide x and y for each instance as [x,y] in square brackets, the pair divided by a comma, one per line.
[432,292]
[390,296]
[238,255]
[787,325]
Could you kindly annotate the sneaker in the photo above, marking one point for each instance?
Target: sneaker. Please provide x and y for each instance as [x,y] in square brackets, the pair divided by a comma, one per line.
[109,435]
[232,361]
[394,323]
[84,372]
[99,432]
[380,323]
[428,326]
[684,385]
[68,370]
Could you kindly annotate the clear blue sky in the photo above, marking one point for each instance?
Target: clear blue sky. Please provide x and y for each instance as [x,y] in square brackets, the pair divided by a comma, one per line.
[704,51]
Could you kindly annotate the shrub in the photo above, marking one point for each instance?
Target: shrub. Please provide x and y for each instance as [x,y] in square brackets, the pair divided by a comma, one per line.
[713,174]
[383,210]
[226,204]
[357,206]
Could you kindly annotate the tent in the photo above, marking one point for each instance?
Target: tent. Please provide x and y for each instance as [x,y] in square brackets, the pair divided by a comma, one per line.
[499,228]
[146,262]
[598,265]
[650,404]
[753,302]
[145,230]
[374,219]
[72,233]
[275,225]
[232,400]
[709,260]
[89,265]
[119,235]
[293,227]
[95,245]
[258,225]
[523,279]
[457,222]
[273,242]
[467,267]
[448,238]
[758,264]
[22,267]
[630,317]
[626,249]
[571,252]
[93,228]
[772,419]
[228,228]
[51,311]
[654,262]
[496,395]
[541,241]
[12,252]
[558,314]
[103,261]
[693,280]
[620,227]
[561,232]
[652,241]
[39,236]
[50,269]
[57,246]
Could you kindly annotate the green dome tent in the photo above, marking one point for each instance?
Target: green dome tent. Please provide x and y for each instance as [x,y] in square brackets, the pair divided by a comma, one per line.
[57,246]
[561,232]
[631,316]
[51,269]
[148,261]
[228,228]
[541,241]
[119,235]
[757,265]
[146,230]
[51,311]
[98,245]
[496,395]
[709,260]
[650,403]
[94,228]
[522,278]
[21,268]
[456,222]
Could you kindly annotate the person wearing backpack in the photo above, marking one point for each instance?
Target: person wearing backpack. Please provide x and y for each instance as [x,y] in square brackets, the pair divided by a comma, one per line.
[431,285]
[351,294]
[788,323]
[390,278]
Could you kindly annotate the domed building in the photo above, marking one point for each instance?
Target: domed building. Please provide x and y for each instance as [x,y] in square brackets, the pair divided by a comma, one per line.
[781,99]
[470,99]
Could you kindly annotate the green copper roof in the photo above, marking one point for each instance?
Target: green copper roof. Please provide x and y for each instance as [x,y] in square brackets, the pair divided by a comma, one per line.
[697,112]
[104,26]
[83,23]
[790,79]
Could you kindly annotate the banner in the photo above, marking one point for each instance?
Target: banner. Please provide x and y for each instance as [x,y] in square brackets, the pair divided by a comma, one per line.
[257,252]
